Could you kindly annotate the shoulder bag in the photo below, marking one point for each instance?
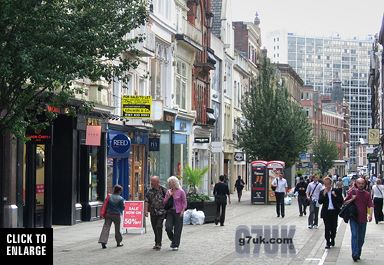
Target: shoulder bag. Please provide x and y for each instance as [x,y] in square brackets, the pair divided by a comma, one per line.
[103,210]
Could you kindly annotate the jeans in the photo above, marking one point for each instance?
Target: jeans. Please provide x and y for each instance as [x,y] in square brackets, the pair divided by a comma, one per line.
[357,236]
[313,218]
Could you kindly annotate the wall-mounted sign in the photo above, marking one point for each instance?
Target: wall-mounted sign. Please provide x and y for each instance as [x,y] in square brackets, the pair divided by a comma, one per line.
[43,136]
[374,136]
[93,135]
[201,140]
[154,144]
[120,143]
[136,106]
[239,156]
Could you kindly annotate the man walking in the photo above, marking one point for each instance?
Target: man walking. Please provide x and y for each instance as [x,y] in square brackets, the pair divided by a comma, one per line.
[362,199]
[301,188]
[221,191]
[154,203]
[281,186]
[313,192]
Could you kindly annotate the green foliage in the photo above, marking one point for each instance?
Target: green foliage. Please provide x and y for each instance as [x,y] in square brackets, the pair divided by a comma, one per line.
[325,152]
[197,197]
[193,177]
[275,127]
[45,45]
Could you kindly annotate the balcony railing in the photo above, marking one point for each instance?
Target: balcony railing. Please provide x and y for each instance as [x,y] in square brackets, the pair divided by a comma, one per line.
[190,34]
[241,62]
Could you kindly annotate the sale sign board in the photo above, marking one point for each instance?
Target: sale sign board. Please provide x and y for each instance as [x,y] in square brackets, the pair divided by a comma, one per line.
[133,214]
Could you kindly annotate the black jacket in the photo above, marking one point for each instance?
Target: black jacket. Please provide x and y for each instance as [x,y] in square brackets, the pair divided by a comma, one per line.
[337,201]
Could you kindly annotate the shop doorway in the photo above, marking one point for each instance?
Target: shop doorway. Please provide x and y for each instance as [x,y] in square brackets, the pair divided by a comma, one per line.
[136,178]
[36,185]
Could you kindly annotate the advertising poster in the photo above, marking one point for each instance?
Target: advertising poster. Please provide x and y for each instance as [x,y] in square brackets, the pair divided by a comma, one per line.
[133,214]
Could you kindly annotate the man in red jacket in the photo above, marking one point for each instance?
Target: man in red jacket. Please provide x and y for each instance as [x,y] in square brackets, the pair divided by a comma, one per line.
[362,199]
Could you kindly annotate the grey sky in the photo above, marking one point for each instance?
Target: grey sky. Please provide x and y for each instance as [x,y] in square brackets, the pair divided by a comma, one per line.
[313,17]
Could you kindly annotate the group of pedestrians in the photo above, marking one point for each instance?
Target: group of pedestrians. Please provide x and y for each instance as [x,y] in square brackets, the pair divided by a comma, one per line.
[330,195]
[164,204]
[160,203]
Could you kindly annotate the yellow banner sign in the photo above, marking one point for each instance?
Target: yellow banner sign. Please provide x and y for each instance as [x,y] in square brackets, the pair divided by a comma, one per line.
[136,106]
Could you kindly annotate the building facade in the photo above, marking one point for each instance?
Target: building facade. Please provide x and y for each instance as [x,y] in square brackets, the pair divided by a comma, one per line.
[321,61]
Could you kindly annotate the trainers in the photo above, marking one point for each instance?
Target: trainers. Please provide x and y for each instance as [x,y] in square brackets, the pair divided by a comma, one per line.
[310,226]
[315,226]
[120,245]
[175,249]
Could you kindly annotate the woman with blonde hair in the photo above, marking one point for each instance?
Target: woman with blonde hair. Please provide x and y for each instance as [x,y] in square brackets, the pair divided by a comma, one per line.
[175,202]
[332,200]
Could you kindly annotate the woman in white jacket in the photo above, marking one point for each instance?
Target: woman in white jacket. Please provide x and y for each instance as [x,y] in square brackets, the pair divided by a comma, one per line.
[377,193]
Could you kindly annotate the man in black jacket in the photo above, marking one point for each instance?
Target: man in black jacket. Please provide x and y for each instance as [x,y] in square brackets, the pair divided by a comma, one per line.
[301,188]
[221,191]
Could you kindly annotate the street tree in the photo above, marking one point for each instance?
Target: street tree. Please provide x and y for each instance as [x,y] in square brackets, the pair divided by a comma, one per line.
[324,153]
[274,127]
[46,45]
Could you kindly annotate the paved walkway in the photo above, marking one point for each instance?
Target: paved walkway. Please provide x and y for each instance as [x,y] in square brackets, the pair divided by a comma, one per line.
[211,244]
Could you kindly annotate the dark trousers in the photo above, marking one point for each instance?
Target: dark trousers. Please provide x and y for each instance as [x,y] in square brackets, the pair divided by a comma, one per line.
[378,209]
[313,218]
[239,194]
[174,226]
[220,212]
[280,203]
[330,223]
[302,206]
[157,226]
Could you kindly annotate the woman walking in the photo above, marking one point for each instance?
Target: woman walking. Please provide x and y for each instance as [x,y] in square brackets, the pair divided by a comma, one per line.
[175,212]
[378,194]
[115,208]
[331,199]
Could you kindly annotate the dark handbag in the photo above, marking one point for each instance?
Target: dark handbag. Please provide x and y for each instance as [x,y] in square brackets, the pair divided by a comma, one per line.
[307,202]
[348,211]
[169,204]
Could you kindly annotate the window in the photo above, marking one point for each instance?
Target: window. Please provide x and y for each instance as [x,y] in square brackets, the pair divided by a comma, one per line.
[181,84]
[127,89]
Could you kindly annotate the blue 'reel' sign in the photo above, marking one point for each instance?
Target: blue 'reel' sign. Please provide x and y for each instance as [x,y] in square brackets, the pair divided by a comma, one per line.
[120,143]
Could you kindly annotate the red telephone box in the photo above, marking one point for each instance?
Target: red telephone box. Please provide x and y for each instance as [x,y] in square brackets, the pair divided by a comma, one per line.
[259,181]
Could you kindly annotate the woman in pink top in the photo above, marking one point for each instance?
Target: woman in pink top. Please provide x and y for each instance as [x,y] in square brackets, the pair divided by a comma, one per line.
[174,222]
